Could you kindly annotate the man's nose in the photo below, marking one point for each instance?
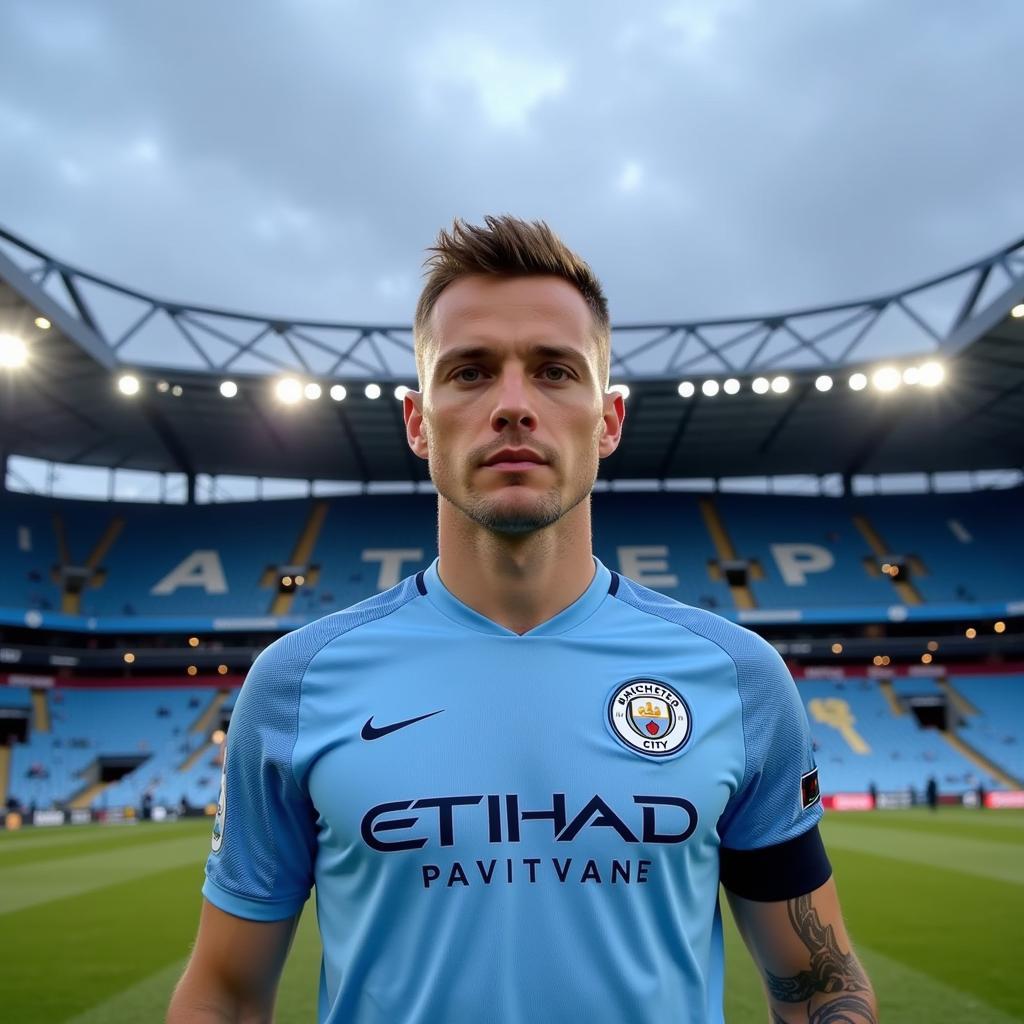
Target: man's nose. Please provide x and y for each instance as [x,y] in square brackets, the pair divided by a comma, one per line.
[514,405]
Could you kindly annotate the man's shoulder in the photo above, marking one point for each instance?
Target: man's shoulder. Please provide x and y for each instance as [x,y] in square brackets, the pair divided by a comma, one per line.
[740,643]
[289,655]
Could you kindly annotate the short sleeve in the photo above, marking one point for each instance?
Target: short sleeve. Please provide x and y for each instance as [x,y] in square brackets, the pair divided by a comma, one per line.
[770,823]
[264,837]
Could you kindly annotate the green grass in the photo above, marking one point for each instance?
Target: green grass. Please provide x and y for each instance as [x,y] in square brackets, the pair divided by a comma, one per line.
[97,922]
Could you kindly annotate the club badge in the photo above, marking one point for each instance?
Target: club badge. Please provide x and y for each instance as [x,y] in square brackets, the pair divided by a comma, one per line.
[650,717]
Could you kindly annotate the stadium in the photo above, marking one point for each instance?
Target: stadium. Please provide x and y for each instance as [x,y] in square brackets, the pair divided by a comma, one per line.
[184,484]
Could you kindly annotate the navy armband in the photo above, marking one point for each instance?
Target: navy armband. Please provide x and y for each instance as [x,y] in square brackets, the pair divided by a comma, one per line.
[780,872]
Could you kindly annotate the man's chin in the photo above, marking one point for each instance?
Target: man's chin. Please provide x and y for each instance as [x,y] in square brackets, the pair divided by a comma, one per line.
[516,516]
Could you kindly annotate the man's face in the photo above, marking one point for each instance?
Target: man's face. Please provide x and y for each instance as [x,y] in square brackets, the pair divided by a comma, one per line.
[513,364]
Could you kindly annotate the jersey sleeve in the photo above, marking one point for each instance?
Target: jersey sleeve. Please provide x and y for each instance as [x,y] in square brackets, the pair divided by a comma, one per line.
[264,837]
[771,848]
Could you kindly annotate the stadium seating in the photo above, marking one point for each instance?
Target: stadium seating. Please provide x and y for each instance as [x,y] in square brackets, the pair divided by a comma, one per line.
[898,753]
[106,722]
[802,553]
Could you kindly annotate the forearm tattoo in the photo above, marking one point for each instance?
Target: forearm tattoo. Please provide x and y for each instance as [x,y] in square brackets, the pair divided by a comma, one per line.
[832,972]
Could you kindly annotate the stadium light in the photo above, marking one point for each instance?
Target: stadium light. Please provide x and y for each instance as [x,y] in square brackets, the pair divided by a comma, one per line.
[709,388]
[228,388]
[372,391]
[926,658]
[1000,627]
[13,352]
[176,391]
[760,386]
[222,670]
[129,658]
[42,323]
[218,735]
[837,648]
[338,392]
[824,383]
[622,389]
[686,389]
[288,390]
[163,387]
[886,378]
[912,375]
[731,386]
[312,391]
[780,385]
[970,632]
[932,374]
[1018,311]
[401,391]
[858,382]
[128,384]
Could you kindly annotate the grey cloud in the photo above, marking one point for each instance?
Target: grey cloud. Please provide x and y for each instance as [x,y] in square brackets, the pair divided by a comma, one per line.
[297,158]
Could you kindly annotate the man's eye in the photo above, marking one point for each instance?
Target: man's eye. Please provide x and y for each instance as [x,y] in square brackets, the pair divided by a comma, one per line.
[466,369]
[558,369]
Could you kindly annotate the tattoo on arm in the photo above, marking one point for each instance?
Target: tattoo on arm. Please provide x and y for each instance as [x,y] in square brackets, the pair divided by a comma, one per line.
[832,971]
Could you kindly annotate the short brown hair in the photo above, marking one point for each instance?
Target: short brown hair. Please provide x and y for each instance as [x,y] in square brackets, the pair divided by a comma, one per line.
[507,247]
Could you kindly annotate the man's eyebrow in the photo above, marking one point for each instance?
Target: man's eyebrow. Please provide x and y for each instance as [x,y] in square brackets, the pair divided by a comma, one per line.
[482,352]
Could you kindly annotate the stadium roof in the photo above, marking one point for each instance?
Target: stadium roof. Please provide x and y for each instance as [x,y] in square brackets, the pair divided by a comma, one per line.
[64,406]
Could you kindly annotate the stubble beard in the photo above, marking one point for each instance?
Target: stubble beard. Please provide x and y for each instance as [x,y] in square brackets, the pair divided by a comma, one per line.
[499,515]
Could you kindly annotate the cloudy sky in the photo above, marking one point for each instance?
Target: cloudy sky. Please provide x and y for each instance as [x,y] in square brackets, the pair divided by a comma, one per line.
[708,158]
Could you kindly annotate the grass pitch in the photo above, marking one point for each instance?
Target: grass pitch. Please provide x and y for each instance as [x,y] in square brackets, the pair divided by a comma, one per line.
[96,922]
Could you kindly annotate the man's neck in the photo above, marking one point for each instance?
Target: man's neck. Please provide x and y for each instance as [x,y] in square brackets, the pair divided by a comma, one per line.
[518,582]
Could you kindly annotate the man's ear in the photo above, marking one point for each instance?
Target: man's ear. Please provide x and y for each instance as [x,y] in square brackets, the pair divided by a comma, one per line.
[412,409]
[614,416]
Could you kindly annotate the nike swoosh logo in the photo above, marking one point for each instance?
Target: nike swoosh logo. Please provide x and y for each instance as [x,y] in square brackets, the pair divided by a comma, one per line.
[372,732]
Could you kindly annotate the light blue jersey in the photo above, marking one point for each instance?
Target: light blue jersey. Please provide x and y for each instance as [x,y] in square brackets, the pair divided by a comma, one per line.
[514,829]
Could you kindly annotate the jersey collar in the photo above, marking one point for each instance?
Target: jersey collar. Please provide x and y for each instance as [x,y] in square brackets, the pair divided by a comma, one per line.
[582,608]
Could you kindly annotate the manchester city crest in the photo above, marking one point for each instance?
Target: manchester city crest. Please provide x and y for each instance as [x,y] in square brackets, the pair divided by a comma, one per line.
[649,716]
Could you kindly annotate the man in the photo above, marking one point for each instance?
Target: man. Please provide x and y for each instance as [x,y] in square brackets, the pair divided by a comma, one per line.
[516,777]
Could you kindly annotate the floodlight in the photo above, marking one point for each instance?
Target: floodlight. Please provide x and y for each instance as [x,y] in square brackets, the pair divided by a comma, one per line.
[288,390]
[686,389]
[1018,311]
[372,391]
[824,383]
[338,392]
[731,386]
[13,352]
[176,391]
[932,374]
[760,386]
[228,388]
[709,388]
[886,378]
[912,375]
[622,389]
[42,323]
[128,384]
[401,391]
[163,387]
[780,385]
[312,391]
[858,382]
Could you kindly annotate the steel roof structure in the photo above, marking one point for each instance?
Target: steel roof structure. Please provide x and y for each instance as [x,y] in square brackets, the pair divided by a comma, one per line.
[64,407]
